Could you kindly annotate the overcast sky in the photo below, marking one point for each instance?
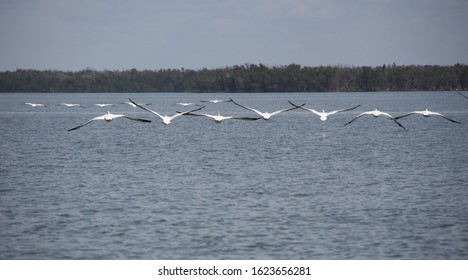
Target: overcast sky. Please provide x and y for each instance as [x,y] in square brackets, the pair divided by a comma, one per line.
[155,34]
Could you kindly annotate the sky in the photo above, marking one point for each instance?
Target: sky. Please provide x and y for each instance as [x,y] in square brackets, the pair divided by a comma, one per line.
[72,35]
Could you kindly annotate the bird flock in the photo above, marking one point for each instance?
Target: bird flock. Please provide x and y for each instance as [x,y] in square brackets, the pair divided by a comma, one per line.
[218,118]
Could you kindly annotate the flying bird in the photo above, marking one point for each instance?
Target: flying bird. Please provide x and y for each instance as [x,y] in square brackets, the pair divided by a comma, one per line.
[218,118]
[108,118]
[70,105]
[215,101]
[35,104]
[324,115]
[265,115]
[186,104]
[426,113]
[376,113]
[104,105]
[165,119]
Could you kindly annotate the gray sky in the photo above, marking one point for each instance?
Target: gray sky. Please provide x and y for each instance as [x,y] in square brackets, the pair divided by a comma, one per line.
[155,34]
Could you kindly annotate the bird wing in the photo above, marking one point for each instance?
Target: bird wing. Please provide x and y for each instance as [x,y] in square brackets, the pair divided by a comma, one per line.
[343,110]
[405,115]
[81,125]
[135,119]
[311,110]
[205,115]
[285,110]
[245,107]
[439,114]
[304,108]
[393,119]
[245,118]
[200,115]
[186,112]
[358,116]
[462,94]
[146,109]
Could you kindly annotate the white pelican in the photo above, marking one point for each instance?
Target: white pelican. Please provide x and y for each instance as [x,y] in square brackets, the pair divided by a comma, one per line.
[109,117]
[324,115]
[103,105]
[35,104]
[426,113]
[376,113]
[186,104]
[215,101]
[165,119]
[265,115]
[218,118]
[71,105]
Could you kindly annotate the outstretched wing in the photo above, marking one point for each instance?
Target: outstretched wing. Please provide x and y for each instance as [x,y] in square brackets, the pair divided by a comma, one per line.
[81,125]
[135,119]
[245,107]
[343,110]
[289,109]
[439,114]
[358,116]
[304,108]
[281,111]
[186,112]
[462,94]
[393,119]
[146,109]
[245,118]
[198,115]
[405,115]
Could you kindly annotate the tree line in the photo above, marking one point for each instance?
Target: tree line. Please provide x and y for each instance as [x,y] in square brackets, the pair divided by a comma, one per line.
[242,78]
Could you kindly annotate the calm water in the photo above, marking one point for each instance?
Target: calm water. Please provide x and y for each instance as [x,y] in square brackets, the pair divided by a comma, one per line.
[290,188]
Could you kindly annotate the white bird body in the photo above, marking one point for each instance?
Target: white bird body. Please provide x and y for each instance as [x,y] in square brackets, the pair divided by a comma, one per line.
[104,105]
[108,118]
[266,115]
[35,104]
[165,119]
[185,104]
[215,101]
[426,113]
[218,118]
[71,105]
[324,115]
[376,113]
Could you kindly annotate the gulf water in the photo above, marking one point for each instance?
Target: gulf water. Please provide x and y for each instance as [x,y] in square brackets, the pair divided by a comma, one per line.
[293,187]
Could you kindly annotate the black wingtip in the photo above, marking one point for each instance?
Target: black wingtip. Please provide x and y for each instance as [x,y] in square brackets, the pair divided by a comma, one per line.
[297,106]
[462,94]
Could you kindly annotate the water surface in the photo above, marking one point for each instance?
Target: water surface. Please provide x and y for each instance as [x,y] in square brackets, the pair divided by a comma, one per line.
[292,187]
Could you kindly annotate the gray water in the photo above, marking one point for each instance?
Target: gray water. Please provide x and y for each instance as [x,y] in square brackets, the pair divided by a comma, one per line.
[292,187]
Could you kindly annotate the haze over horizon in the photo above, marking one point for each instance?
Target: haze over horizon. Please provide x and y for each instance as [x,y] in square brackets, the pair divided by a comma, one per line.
[143,34]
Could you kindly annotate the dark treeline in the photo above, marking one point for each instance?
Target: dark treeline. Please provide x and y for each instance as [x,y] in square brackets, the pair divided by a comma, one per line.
[242,78]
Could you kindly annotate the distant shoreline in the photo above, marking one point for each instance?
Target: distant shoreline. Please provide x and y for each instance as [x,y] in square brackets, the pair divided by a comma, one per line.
[248,78]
